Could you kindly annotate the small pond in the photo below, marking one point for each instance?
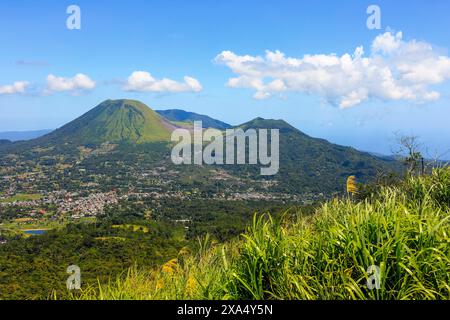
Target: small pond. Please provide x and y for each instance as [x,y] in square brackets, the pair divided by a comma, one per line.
[35,232]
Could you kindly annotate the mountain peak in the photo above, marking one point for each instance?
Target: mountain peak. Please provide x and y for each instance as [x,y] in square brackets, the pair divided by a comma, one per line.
[123,103]
[114,121]
[261,123]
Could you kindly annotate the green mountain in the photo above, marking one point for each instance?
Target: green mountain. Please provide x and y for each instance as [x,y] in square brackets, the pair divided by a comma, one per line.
[113,121]
[140,136]
[316,165]
[177,115]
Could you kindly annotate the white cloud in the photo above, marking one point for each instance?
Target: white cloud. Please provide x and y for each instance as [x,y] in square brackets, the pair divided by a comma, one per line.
[387,42]
[18,87]
[78,83]
[395,69]
[142,81]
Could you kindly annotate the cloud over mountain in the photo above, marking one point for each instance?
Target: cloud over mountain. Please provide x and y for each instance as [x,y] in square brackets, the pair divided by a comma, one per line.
[395,69]
[142,81]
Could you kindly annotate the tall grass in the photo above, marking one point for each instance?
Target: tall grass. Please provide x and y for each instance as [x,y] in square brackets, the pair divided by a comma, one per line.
[189,276]
[404,231]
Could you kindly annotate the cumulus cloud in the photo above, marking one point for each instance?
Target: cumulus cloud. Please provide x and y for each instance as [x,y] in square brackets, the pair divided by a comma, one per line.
[76,84]
[142,81]
[394,69]
[18,87]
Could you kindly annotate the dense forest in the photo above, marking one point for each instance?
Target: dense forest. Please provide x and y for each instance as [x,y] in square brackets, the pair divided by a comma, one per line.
[127,235]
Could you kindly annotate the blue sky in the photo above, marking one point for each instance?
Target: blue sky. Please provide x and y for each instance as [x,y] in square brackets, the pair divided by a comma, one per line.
[174,39]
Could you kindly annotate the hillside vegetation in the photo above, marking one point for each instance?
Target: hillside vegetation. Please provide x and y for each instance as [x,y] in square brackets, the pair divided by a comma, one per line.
[403,230]
[312,164]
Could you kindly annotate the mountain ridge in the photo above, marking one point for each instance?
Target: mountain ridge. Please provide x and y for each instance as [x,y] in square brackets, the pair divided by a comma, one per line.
[306,164]
[179,115]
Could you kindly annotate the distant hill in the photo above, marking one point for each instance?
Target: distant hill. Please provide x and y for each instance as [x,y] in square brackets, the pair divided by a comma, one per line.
[113,121]
[5,141]
[22,135]
[184,116]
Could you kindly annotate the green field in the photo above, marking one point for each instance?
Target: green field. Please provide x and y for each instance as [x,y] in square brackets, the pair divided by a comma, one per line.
[132,227]
[18,227]
[21,197]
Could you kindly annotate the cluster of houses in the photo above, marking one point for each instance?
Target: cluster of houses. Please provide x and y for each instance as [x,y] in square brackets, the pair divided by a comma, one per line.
[90,205]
